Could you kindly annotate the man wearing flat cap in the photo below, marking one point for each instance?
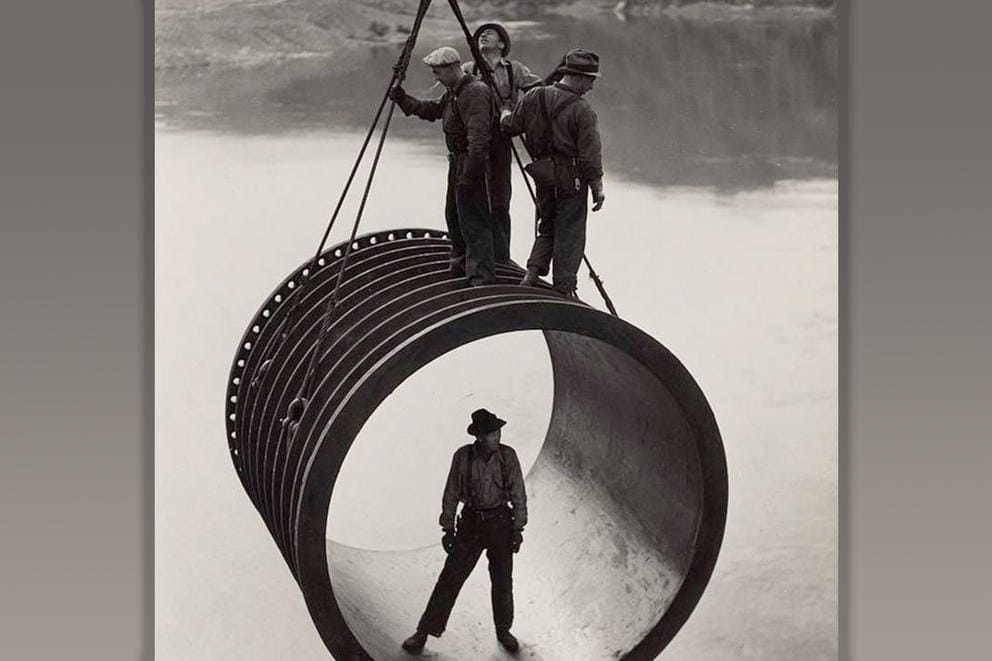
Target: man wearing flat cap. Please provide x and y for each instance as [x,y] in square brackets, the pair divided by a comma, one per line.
[562,136]
[465,112]
[486,477]
[510,79]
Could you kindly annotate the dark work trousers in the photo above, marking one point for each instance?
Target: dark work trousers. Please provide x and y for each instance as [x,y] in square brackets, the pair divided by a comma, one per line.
[500,171]
[470,226]
[561,236]
[495,537]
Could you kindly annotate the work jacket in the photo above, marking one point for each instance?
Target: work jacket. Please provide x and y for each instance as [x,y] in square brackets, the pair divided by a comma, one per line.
[574,132]
[511,78]
[465,112]
[495,480]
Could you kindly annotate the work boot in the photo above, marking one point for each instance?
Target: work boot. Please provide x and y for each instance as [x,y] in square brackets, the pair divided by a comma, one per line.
[507,640]
[530,280]
[568,293]
[415,643]
[456,269]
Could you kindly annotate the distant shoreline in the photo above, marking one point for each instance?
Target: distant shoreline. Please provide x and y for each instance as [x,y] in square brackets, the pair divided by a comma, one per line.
[247,33]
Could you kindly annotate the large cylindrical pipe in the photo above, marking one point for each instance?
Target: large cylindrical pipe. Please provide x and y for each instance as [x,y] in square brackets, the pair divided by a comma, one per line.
[628,495]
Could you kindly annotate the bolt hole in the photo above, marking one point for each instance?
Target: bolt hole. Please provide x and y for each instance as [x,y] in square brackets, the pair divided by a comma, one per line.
[321,262]
[241,363]
[265,313]
[278,298]
[236,381]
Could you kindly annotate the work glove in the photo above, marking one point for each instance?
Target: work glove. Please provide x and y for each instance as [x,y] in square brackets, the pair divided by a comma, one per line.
[448,540]
[396,93]
[518,539]
[597,196]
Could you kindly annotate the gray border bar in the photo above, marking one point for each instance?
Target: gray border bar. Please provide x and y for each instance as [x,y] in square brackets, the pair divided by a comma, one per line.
[76,334]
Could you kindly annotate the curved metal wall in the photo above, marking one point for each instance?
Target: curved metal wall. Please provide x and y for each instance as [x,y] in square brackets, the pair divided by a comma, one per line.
[632,443]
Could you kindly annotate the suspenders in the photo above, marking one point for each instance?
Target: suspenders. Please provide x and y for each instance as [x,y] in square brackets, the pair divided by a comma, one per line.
[469,477]
[504,471]
[549,118]
[509,76]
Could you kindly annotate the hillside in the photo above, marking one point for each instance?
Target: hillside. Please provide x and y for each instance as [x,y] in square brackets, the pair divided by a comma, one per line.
[196,33]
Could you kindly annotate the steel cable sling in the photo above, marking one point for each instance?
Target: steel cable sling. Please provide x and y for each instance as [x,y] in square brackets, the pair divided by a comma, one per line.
[483,67]
[298,405]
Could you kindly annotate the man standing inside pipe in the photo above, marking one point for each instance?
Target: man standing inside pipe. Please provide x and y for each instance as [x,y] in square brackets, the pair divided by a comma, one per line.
[487,478]
[465,112]
[510,79]
[563,137]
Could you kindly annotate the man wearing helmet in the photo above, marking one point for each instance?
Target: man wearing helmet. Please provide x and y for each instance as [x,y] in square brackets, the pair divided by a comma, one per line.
[510,79]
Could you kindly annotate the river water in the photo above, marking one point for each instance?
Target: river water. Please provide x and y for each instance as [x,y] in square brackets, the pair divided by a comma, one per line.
[719,238]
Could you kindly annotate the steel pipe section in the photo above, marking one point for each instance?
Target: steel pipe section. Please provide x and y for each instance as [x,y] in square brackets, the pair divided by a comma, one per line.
[628,495]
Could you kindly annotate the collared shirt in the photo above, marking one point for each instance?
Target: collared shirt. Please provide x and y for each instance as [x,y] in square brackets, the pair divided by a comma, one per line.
[504,72]
[493,484]
[465,112]
[574,132]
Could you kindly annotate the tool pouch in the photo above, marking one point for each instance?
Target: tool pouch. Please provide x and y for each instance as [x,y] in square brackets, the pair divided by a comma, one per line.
[542,171]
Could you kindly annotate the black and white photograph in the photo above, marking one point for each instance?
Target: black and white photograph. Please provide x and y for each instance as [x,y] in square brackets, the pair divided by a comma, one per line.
[494,329]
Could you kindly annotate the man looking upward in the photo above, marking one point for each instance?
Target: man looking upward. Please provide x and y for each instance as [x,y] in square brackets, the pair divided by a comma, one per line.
[510,79]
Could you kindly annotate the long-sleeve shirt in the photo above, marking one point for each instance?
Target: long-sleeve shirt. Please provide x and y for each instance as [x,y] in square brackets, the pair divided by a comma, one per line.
[493,484]
[574,132]
[466,116]
[505,72]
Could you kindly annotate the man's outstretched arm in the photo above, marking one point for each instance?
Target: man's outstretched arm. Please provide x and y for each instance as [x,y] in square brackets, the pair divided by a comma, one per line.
[430,110]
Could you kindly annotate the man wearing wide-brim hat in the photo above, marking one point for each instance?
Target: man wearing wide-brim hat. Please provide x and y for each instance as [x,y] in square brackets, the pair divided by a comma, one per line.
[509,78]
[465,111]
[486,477]
[562,136]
